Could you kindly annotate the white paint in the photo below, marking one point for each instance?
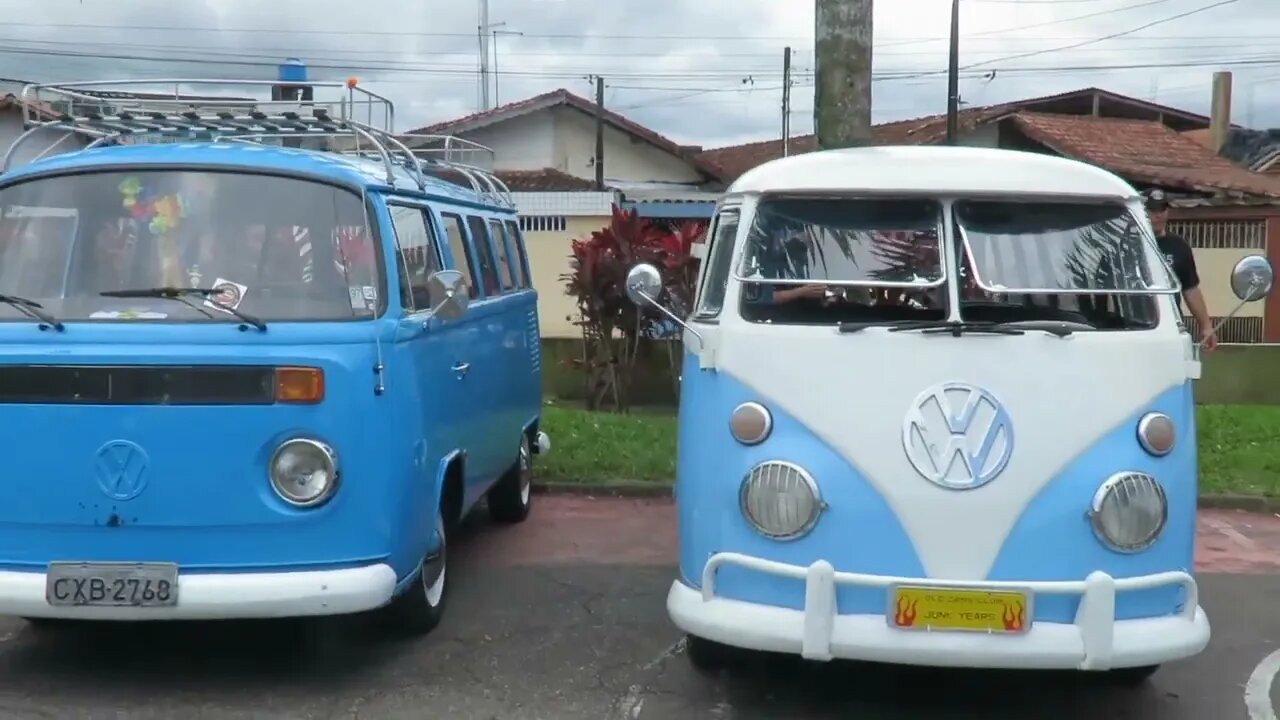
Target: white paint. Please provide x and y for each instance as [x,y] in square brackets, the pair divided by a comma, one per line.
[938,170]
[1257,691]
[222,596]
[1046,646]
[628,707]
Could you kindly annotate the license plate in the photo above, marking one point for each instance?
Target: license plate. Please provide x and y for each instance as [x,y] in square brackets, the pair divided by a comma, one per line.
[937,608]
[112,584]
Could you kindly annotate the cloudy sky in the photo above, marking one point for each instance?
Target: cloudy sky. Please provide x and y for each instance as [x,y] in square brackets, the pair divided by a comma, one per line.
[705,72]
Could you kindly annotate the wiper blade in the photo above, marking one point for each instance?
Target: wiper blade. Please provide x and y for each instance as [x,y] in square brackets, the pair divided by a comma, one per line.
[180,294]
[957,328]
[33,309]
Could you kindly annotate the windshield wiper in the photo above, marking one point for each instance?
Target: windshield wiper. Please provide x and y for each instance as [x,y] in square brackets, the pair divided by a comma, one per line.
[180,294]
[34,310]
[957,328]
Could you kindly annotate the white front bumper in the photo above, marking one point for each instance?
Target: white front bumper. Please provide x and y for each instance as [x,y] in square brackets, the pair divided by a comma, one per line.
[1095,641]
[222,596]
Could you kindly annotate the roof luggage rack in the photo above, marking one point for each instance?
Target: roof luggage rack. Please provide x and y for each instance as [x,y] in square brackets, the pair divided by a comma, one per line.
[358,122]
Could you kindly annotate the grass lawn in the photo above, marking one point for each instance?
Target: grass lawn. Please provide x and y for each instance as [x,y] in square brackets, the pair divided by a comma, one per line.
[1239,448]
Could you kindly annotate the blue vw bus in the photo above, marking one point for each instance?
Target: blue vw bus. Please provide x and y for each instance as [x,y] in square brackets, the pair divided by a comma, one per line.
[256,361]
[937,409]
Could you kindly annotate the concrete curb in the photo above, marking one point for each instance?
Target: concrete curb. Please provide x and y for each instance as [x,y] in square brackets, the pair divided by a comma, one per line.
[638,489]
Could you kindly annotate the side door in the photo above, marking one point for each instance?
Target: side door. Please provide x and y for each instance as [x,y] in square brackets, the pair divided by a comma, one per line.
[472,354]
[434,394]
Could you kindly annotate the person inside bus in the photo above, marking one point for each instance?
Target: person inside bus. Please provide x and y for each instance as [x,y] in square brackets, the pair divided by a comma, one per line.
[1177,252]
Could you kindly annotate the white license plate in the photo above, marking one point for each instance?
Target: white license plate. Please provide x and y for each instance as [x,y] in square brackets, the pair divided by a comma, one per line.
[112,584]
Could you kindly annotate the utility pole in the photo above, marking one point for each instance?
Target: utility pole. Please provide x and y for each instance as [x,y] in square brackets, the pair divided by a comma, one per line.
[482,33]
[786,101]
[599,134]
[842,93]
[496,33]
[953,75]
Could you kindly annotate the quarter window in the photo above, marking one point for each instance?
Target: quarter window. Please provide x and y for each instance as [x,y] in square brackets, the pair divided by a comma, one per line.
[518,257]
[716,277]
[463,261]
[417,258]
[504,259]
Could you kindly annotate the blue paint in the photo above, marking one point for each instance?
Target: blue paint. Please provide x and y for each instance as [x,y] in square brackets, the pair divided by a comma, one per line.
[672,210]
[860,533]
[204,500]
[1054,524]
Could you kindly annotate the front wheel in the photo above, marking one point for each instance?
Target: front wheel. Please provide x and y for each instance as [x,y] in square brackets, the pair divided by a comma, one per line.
[419,609]
[511,497]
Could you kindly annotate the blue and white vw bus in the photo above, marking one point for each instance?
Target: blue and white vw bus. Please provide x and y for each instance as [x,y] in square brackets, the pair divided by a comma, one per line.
[936,409]
[255,362]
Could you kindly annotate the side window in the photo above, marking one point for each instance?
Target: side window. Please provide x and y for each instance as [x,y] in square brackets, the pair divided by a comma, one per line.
[716,278]
[484,254]
[462,259]
[519,268]
[506,268]
[417,258]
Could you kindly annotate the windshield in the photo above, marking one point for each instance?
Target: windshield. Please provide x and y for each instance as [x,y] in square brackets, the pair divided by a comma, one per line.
[884,255]
[277,248]
[1092,264]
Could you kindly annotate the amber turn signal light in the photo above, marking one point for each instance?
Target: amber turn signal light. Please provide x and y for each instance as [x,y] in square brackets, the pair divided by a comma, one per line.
[299,385]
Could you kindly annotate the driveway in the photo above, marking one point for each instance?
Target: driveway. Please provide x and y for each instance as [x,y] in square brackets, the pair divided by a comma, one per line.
[563,617]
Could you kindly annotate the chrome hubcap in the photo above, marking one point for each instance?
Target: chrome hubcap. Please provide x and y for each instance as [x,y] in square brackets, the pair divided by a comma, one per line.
[526,473]
[433,573]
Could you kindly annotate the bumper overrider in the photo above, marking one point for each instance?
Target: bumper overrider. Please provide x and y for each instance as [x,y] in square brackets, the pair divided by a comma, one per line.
[1094,641]
[213,596]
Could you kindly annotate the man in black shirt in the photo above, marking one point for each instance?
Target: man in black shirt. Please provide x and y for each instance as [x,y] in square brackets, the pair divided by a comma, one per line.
[1183,261]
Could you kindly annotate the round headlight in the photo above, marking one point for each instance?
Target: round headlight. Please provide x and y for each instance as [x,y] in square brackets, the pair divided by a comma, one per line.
[780,500]
[1156,433]
[1129,511]
[304,472]
[750,423]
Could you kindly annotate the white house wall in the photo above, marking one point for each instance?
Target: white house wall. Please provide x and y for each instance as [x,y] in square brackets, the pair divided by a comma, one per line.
[522,143]
[625,156]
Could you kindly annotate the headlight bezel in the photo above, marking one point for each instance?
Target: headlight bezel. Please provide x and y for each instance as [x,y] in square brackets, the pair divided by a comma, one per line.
[806,478]
[1108,489]
[330,456]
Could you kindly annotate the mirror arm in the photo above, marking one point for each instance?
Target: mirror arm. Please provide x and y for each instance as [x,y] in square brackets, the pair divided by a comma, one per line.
[650,299]
[1247,299]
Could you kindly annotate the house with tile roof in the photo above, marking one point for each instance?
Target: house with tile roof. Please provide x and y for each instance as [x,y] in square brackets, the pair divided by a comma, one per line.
[544,149]
[1225,209]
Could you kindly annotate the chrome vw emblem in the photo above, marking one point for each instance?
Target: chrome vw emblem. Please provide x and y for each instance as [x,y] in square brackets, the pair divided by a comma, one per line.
[122,469]
[957,436]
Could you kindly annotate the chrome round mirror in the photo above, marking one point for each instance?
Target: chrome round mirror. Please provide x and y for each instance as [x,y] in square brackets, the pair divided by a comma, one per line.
[644,284]
[1252,278]
[447,290]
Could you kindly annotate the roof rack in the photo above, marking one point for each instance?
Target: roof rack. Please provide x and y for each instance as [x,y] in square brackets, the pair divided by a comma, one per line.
[358,122]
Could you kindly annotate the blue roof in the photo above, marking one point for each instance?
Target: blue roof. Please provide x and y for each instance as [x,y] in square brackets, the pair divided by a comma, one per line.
[352,171]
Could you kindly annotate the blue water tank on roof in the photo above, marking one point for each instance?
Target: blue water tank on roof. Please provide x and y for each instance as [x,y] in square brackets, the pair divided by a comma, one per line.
[293,70]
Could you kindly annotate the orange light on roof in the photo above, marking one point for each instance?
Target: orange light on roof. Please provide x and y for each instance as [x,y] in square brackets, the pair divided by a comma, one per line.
[299,385]
[352,82]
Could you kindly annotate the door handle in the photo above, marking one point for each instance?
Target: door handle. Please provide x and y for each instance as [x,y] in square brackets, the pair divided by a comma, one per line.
[461,368]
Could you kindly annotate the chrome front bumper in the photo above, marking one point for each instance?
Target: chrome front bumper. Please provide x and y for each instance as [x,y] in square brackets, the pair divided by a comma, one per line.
[1094,641]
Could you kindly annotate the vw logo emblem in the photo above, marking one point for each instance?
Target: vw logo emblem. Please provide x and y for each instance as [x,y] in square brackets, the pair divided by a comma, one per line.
[121,467]
[957,436]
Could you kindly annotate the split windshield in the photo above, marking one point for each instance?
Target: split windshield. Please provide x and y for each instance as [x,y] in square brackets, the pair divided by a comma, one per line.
[1089,264]
[276,248]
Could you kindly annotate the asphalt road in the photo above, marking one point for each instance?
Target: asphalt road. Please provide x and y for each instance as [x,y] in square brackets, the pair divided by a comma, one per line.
[546,621]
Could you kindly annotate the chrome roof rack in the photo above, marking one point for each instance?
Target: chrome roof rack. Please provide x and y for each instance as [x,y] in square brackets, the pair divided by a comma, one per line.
[355,122]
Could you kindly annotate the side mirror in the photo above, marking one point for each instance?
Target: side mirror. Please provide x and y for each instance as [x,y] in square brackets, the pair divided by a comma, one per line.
[644,284]
[1252,278]
[448,292]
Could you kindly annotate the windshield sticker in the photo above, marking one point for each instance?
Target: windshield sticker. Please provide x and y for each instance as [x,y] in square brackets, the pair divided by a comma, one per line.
[130,314]
[227,294]
[357,300]
[370,293]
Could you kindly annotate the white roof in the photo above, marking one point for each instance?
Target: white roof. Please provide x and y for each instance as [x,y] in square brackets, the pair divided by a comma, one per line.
[933,169]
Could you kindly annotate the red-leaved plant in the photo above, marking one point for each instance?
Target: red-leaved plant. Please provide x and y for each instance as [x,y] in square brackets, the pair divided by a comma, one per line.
[613,328]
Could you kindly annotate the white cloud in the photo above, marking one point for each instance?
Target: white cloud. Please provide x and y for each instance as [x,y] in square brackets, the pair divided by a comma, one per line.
[716,83]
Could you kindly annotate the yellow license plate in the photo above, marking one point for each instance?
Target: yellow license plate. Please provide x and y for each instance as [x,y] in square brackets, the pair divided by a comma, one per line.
[933,608]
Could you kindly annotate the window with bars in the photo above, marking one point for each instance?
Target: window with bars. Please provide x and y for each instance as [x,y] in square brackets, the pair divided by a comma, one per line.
[1222,234]
[1245,330]
[543,223]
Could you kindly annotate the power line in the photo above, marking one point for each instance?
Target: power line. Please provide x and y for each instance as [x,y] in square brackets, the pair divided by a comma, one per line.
[1032,26]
